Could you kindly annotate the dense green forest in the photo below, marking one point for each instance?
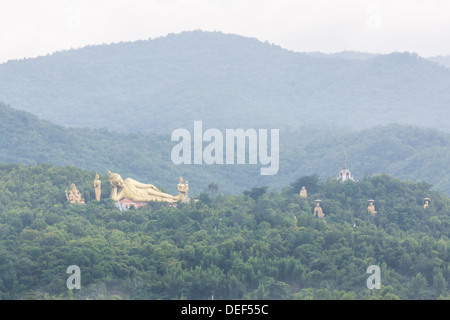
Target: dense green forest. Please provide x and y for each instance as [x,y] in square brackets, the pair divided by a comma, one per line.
[407,152]
[227,81]
[261,244]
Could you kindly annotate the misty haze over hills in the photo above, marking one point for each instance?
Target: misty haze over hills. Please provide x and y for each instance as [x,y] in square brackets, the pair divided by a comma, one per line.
[441,60]
[227,81]
[406,152]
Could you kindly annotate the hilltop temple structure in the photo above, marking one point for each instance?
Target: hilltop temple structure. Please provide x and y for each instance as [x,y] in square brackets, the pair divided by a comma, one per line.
[345,174]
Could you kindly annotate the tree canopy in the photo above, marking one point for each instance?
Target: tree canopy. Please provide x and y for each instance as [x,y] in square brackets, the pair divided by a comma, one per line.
[232,246]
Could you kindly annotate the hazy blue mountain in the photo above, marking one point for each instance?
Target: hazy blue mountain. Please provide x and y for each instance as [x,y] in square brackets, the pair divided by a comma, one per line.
[345,55]
[228,81]
[441,60]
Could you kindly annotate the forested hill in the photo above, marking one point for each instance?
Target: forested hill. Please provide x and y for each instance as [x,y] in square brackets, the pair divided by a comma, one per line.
[256,245]
[228,81]
[406,152]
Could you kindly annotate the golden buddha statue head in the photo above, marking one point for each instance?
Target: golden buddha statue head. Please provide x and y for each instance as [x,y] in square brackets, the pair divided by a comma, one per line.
[115,179]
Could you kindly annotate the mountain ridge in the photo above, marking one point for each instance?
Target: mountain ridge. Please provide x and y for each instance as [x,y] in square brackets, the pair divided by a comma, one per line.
[407,152]
[228,81]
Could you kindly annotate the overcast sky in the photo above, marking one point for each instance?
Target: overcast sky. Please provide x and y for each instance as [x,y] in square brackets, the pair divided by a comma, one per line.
[29,28]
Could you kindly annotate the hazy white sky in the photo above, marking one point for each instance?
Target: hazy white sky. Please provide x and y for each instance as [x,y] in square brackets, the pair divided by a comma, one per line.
[30,28]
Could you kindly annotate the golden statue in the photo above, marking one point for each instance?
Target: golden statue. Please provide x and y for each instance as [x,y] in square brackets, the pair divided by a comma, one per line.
[318,210]
[97,187]
[74,196]
[371,207]
[182,194]
[426,203]
[136,191]
[303,193]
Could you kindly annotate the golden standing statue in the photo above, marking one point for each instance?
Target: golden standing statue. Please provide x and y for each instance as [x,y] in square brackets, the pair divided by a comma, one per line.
[182,192]
[97,187]
[303,193]
[74,196]
[318,210]
[136,191]
[371,208]
[426,202]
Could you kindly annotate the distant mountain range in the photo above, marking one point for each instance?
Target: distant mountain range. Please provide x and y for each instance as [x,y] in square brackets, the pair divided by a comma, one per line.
[227,81]
[441,60]
[355,55]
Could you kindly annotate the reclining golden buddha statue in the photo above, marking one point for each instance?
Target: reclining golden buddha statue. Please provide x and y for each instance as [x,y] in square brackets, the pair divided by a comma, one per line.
[136,191]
